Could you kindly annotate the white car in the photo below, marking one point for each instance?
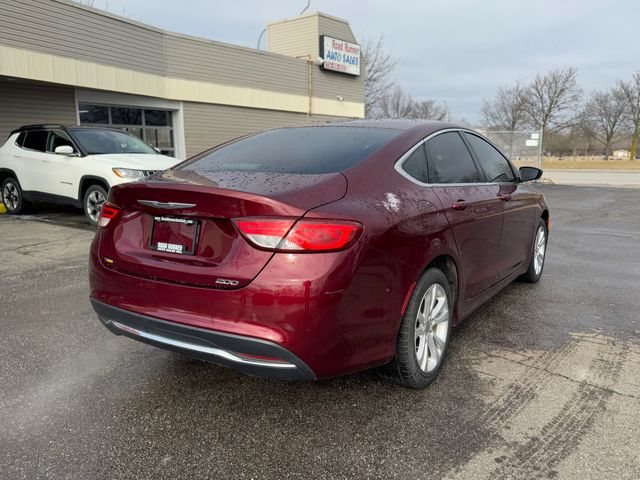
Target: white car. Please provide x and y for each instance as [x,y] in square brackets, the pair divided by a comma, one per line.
[72,165]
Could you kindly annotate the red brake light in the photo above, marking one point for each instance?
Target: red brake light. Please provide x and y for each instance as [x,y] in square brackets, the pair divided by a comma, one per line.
[107,212]
[282,235]
[318,236]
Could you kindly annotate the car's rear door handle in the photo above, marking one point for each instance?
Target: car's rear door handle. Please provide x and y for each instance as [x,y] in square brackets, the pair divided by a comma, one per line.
[460,205]
[505,197]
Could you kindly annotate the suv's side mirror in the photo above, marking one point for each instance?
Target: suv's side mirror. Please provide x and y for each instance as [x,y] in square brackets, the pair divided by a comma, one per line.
[64,150]
[528,174]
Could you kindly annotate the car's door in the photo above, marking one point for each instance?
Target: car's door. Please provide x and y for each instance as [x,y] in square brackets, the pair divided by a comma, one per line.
[472,208]
[518,205]
[30,158]
[64,170]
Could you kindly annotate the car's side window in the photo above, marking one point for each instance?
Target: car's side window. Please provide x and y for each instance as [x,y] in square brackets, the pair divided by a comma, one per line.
[58,139]
[495,166]
[36,140]
[449,160]
[20,138]
[416,165]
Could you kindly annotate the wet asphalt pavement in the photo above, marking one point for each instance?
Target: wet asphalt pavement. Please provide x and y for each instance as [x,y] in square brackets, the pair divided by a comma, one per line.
[542,382]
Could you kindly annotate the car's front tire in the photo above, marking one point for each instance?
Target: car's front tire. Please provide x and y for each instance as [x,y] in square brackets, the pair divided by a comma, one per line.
[12,196]
[424,333]
[538,254]
[94,198]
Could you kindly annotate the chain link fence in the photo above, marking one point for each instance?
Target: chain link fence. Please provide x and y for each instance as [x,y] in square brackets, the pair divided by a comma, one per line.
[523,147]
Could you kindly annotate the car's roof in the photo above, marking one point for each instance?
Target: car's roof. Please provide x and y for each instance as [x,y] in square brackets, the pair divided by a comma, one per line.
[39,126]
[424,126]
[49,126]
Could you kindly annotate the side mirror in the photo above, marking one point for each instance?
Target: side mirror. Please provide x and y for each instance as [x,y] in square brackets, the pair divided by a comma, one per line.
[528,174]
[64,150]
[157,150]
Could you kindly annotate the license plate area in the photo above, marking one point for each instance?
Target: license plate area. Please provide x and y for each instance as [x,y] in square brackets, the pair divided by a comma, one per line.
[174,235]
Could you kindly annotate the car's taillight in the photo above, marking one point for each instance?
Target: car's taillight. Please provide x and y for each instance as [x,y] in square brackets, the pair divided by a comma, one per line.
[287,235]
[107,212]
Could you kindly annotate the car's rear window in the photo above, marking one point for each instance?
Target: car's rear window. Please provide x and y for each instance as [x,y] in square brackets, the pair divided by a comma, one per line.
[302,150]
[36,140]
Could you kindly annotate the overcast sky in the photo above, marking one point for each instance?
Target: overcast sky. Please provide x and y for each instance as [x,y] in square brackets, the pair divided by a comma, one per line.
[458,51]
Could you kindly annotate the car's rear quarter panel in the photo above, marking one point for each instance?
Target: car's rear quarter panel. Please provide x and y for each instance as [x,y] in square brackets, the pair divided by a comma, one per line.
[404,230]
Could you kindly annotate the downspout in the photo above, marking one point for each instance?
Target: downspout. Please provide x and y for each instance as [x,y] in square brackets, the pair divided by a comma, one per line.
[310,62]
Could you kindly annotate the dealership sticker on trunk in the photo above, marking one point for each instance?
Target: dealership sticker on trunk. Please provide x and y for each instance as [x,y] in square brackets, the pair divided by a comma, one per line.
[169,247]
[174,235]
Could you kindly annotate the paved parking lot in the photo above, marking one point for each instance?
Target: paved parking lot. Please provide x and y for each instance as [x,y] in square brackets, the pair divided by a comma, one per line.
[542,382]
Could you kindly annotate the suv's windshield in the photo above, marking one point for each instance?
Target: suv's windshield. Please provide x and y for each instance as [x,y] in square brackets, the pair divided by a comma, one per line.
[97,142]
[301,150]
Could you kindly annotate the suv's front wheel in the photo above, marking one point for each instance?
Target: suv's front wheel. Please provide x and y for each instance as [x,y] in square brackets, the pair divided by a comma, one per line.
[94,197]
[12,196]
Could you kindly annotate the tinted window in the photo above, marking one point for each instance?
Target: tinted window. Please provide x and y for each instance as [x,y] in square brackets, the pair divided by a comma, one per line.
[93,113]
[161,118]
[126,116]
[296,150]
[96,141]
[491,160]
[20,138]
[416,165]
[450,160]
[36,140]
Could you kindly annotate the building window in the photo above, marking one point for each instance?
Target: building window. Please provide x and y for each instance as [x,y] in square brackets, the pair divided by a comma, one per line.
[152,125]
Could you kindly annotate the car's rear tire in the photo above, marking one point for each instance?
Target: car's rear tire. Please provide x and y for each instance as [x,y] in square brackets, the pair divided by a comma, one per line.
[424,333]
[94,197]
[538,254]
[12,196]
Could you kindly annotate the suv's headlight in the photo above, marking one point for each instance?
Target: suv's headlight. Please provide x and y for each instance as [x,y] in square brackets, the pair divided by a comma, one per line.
[128,173]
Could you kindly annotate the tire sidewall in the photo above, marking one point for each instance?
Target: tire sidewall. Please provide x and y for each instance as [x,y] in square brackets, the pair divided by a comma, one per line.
[91,189]
[20,205]
[407,334]
[532,276]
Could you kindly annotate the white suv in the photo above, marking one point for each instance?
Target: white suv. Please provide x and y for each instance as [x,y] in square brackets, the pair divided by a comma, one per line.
[72,165]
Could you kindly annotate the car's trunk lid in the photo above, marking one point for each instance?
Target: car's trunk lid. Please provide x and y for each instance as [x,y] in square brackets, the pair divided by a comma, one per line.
[199,206]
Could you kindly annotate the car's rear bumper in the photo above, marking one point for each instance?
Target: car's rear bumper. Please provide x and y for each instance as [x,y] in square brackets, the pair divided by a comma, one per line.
[249,355]
[330,310]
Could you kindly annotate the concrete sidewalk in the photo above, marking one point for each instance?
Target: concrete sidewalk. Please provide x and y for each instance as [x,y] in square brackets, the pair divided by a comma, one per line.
[609,178]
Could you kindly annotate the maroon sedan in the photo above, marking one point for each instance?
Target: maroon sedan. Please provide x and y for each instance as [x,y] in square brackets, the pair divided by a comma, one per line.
[311,252]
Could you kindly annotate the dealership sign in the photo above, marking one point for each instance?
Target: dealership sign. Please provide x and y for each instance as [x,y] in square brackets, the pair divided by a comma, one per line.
[340,56]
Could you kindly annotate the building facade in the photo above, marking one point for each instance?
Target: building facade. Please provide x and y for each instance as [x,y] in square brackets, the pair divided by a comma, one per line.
[61,62]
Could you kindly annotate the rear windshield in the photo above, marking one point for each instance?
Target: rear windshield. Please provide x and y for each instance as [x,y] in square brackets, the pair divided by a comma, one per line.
[295,150]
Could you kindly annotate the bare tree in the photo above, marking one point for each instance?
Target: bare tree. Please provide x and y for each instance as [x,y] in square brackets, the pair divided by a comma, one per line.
[429,110]
[399,104]
[580,137]
[604,116]
[552,99]
[395,104]
[378,68]
[507,110]
[631,92]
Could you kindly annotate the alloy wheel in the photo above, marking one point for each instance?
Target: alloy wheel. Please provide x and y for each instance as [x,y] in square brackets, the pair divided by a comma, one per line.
[539,250]
[431,328]
[94,204]
[10,196]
